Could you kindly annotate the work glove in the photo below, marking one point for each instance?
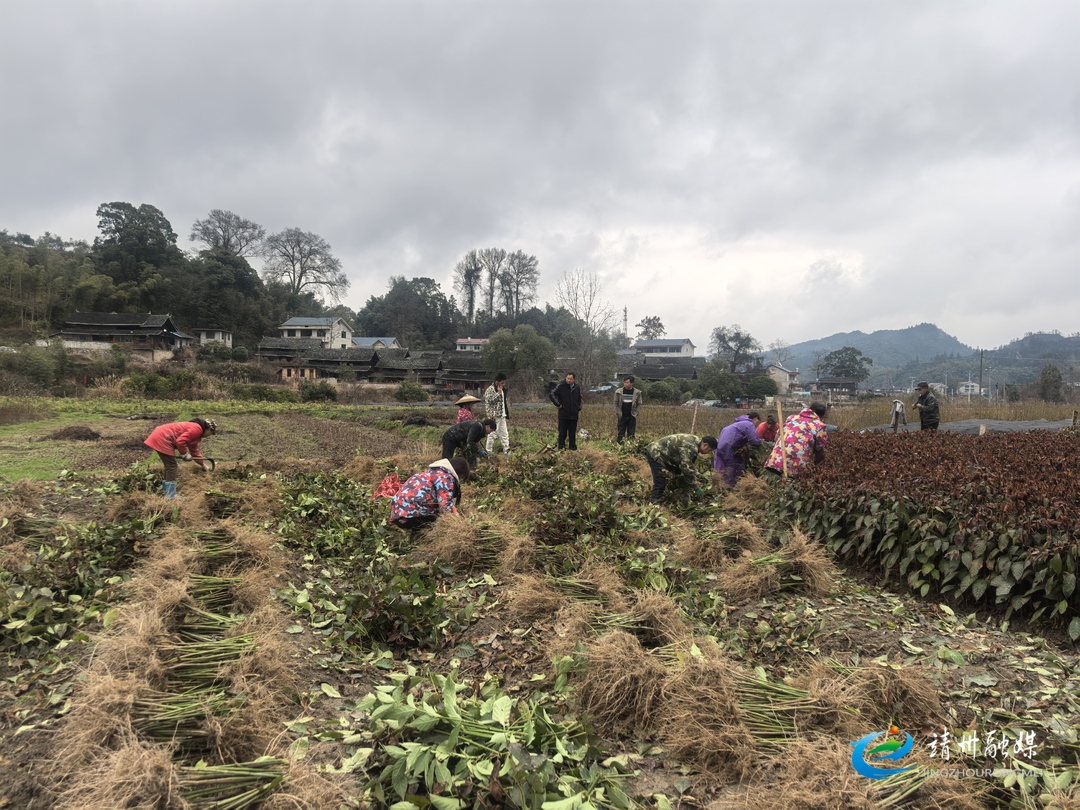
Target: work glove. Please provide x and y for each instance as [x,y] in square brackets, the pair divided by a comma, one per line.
[186,457]
[698,492]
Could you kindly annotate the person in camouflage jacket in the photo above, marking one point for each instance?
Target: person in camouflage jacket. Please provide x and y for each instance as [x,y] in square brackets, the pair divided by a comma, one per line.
[675,457]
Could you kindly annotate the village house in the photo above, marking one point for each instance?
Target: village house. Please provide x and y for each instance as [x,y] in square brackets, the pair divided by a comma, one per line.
[786,381]
[469,344]
[376,343]
[678,347]
[154,335]
[332,333]
[210,334]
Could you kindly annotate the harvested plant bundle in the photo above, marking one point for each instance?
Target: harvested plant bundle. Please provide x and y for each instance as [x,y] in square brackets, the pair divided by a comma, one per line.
[798,565]
[620,689]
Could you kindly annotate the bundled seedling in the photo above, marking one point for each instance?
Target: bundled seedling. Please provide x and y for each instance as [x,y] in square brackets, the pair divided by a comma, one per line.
[231,787]
[798,565]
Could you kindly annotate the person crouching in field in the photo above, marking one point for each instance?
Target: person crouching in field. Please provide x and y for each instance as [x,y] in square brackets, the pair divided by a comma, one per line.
[675,457]
[179,437]
[467,437]
[803,440]
[733,447]
[429,493]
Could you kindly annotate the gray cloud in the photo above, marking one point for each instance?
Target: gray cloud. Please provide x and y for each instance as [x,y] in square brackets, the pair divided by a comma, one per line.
[702,157]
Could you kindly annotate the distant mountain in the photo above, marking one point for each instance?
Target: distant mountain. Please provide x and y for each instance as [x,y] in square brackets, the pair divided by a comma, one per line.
[902,356]
[888,348]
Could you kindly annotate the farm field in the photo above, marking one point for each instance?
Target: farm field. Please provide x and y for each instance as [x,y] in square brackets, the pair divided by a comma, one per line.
[266,640]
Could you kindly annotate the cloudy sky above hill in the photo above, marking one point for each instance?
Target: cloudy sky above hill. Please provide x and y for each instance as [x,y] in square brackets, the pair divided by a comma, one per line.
[799,168]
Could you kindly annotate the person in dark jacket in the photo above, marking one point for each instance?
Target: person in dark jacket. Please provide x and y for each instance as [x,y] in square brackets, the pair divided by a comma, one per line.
[466,437]
[567,398]
[429,493]
[927,406]
[627,405]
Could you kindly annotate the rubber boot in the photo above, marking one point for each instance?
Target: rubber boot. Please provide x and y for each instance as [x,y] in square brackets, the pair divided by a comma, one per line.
[168,489]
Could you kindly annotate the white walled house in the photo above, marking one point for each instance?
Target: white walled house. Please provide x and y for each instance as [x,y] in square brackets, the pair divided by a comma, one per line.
[333,333]
[209,334]
[470,344]
[677,347]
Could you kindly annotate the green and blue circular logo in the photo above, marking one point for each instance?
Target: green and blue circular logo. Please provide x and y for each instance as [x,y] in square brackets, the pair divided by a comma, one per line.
[863,760]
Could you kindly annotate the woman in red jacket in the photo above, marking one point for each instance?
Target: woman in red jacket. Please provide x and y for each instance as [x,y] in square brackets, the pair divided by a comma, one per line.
[182,438]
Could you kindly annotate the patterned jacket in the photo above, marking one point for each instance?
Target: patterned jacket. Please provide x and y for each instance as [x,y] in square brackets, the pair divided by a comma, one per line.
[496,405]
[429,492]
[804,438]
[678,454]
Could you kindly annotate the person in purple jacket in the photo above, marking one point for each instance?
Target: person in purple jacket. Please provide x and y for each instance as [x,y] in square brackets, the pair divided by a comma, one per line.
[733,445]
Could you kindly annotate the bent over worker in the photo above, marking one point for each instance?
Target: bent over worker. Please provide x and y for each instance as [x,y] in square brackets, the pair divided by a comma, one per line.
[179,438]
[674,457]
[429,493]
[466,437]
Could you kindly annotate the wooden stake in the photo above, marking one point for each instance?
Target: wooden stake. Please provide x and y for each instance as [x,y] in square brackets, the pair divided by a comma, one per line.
[693,421]
[780,436]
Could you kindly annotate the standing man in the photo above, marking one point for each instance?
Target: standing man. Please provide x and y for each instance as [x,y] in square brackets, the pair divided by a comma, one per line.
[675,456]
[627,403]
[567,398]
[927,406]
[496,408]
[803,440]
[733,447]
[466,436]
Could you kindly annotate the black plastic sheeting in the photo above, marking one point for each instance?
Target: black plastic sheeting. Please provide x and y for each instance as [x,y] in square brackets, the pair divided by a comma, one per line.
[973,426]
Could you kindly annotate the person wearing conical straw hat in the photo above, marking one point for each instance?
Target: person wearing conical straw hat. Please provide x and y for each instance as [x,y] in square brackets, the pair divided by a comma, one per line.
[465,411]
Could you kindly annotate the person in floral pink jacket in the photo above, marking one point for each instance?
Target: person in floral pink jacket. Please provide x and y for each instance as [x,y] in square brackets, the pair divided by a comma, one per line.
[804,440]
[429,493]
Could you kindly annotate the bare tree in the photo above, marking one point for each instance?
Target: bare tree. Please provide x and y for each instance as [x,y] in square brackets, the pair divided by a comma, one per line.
[301,260]
[517,285]
[590,343]
[227,231]
[493,261]
[467,277]
[578,293]
[780,352]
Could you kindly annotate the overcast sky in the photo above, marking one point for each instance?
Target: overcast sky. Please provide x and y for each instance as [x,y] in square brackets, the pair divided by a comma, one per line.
[800,168]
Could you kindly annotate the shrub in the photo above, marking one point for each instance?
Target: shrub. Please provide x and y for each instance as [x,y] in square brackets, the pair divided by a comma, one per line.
[411,392]
[240,354]
[321,391]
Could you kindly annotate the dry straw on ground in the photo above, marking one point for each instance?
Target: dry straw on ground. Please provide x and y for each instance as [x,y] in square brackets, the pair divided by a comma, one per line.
[134,775]
[530,599]
[661,622]
[750,493]
[702,723]
[620,689]
[799,564]
[717,547]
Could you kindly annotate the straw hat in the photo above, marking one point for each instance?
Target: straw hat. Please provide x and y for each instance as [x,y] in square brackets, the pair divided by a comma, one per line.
[468,399]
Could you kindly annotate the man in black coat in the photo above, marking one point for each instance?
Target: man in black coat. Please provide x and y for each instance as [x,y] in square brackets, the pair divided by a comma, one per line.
[928,408]
[567,398]
[466,437]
